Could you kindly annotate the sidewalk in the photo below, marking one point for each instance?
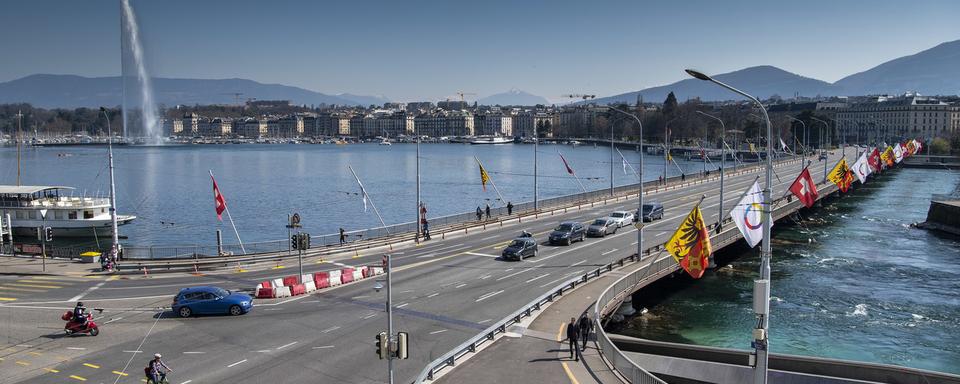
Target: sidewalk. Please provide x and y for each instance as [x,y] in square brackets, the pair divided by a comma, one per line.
[535,354]
[26,265]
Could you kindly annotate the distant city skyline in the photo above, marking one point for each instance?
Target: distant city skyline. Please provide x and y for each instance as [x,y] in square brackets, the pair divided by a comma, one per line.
[421,50]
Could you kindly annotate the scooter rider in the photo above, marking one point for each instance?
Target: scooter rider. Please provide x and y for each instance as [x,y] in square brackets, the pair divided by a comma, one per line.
[80,314]
[156,370]
[525,234]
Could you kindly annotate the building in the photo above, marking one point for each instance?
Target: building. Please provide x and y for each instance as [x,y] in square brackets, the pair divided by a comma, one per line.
[172,127]
[189,125]
[387,124]
[494,123]
[524,123]
[451,105]
[445,124]
[287,126]
[340,124]
[419,107]
[250,127]
[577,121]
[889,119]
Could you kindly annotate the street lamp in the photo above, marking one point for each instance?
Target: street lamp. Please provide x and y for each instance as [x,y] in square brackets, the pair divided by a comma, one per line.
[666,148]
[723,157]
[115,247]
[761,289]
[640,193]
[804,125]
[820,139]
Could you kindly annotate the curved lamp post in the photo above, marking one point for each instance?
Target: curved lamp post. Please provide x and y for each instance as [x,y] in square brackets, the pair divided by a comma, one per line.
[640,193]
[761,288]
[723,157]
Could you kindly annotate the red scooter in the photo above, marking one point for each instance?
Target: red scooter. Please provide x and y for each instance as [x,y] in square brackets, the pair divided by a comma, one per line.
[73,327]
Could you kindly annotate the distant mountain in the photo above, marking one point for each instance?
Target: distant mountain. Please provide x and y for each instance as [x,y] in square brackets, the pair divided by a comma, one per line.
[513,97]
[69,91]
[935,71]
[364,100]
[762,81]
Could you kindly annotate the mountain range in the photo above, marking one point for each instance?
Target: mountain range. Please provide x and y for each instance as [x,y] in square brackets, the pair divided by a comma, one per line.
[513,97]
[935,71]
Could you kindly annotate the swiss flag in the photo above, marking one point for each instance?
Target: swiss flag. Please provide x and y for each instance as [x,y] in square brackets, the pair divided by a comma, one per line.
[874,160]
[804,188]
[221,203]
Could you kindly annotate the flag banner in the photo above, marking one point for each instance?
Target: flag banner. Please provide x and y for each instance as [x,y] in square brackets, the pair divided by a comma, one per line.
[221,203]
[752,148]
[804,188]
[690,244]
[861,168]
[898,153]
[887,156]
[569,170]
[911,148]
[748,215]
[782,145]
[874,160]
[363,192]
[919,145]
[841,175]
[484,177]
[624,164]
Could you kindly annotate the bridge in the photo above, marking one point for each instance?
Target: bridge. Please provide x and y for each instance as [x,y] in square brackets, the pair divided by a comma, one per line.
[452,294]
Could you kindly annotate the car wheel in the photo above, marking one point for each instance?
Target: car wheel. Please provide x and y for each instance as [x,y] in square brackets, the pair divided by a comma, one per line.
[235,310]
[95,331]
[536,252]
[185,312]
[569,241]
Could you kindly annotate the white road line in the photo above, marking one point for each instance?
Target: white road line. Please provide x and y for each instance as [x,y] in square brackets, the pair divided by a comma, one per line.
[484,321]
[237,363]
[24,345]
[323,347]
[484,277]
[187,382]
[552,281]
[577,272]
[113,319]
[489,237]
[402,305]
[433,294]
[84,293]
[488,295]
[263,351]
[286,345]
[359,297]
[193,353]
[578,263]
[312,301]
[608,252]
[431,254]
[481,254]
[633,243]
[76,348]
[331,329]
[537,278]
[461,285]
[515,273]
[436,332]
[369,316]
[132,351]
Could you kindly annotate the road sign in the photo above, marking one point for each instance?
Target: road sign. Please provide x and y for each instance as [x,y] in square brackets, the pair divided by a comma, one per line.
[639,225]
[294,221]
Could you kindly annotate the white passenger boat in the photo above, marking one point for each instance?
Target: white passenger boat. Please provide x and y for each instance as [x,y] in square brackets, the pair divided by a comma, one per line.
[31,207]
[491,140]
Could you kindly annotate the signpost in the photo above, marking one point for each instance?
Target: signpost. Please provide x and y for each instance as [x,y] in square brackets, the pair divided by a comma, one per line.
[300,242]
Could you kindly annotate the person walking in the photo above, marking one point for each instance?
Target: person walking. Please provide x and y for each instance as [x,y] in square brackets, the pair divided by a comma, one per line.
[479,213]
[488,211]
[585,325]
[573,335]
[509,208]
[343,236]
[156,370]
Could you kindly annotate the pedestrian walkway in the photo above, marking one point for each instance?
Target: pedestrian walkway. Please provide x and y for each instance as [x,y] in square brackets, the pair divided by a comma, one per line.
[25,277]
[540,353]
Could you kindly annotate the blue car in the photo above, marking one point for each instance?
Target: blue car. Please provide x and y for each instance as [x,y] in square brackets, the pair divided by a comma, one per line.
[210,300]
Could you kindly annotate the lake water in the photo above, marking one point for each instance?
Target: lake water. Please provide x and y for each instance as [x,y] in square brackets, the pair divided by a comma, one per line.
[869,287]
[169,189]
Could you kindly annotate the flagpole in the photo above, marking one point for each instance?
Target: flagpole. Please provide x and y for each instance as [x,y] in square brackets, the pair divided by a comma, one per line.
[573,173]
[229,217]
[364,192]
[491,182]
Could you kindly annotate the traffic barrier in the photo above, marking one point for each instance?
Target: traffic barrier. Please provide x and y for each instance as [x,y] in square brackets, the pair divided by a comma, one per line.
[277,283]
[377,270]
[346,275]
[265,292]
[321,280]
[334,278]
[281,292]
[367,272]
[310,285]
[297,289]
[291,280]
[358,274]
[264,284]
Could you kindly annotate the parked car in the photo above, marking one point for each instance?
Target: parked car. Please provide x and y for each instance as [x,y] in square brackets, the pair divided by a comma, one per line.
[651,211]
[520,248]
[207,300]
[602,227]
[568,232]
[623,218]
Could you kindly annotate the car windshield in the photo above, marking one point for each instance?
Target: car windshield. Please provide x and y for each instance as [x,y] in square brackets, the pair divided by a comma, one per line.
[647,208]
[564,228]
[618,214]
[220,292]
[517,243]
[599,222]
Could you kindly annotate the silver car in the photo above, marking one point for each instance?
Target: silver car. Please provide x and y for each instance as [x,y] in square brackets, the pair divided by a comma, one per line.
[623,218]
[602,227]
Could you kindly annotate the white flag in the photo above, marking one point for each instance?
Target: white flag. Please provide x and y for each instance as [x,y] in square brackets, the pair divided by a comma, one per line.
[748,213]
[624,164]
[783,145]
[898,152]
[862,168]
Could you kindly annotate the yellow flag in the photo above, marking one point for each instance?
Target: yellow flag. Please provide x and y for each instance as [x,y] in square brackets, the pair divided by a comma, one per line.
[669,158]
[841,175]
[888,156]
[690,244]
[484,177]
[752,148]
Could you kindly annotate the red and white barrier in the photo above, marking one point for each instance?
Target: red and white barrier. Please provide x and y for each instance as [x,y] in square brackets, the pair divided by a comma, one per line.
[299,285]
[321,280]
[310,285]
[358,274]
[281,292]
[346,275]
[335,279]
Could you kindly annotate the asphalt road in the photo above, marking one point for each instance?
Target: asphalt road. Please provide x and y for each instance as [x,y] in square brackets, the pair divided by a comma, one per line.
[445,291]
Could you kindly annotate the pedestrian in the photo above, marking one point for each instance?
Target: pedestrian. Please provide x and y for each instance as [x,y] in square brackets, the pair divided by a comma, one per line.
[585,325]
[509,208]
[343,236]
[156,370]
[573,334]
[426,230]
[479,213]
[488,211]
[683,177]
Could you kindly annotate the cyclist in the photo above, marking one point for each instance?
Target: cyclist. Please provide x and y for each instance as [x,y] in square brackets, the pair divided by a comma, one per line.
[156,370]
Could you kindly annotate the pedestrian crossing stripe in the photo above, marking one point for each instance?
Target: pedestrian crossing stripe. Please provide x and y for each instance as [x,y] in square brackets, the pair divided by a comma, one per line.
[7,299]
[34,285]
[5,288]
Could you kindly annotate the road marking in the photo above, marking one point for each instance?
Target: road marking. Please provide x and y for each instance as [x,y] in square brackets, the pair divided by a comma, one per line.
[113,319]
[21,284]
[24,345]
[481,254]
[323,347]
[263,351]
[369,316]
[552,281]
[51,370]
[8,299]
[23,363]
[187,382]
[357,297]
[120,373]
[608,252]
[5,288]
[488,295]
[578,263]
[194,353]
[431,254]
[633,243]
[484,321]
[331,329]
[132,351]
[237,363]
[35,353]
[77,348]
[312,301]
[515,273]
[489,238]
[484,277]
[286,345]
[402,305]
[433,294]
[570,376]
[537,278]
[75,377]
[461,285]
[436,332]
[91,365]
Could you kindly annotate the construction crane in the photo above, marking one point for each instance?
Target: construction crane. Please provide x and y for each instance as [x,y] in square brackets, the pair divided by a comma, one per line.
[236,96]
[462,93]
[579,96]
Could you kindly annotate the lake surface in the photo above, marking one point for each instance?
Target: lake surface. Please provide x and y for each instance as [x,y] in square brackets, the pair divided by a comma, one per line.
[869,287]
[169,189]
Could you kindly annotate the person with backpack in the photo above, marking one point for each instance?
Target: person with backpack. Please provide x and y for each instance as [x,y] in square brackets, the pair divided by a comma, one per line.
[156,370]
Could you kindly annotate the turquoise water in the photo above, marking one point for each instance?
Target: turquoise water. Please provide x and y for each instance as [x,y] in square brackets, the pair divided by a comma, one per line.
[852,281]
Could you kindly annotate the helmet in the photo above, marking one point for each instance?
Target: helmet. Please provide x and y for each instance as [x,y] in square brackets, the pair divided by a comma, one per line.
[79,303]
[157,355]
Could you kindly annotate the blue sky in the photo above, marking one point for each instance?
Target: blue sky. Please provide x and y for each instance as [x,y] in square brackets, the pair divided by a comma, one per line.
[410,50]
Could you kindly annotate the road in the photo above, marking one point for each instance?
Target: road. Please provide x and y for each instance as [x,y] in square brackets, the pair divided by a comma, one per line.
[445,291]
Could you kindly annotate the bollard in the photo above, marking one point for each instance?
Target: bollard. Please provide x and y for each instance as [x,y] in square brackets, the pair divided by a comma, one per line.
[145,272]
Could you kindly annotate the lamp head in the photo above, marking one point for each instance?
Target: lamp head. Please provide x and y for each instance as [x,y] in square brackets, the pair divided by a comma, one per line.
[102,109]
[697,74]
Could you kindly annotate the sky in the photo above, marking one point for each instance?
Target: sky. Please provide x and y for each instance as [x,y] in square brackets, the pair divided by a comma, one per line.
[430,50]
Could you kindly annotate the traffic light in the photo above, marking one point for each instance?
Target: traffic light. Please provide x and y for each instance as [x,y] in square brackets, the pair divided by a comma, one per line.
[294,242]
[402,346]
[306,241]
[382,344]
[48,233]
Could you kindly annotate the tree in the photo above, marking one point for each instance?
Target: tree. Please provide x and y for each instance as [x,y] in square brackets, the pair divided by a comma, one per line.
[670,105]
[939,146]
